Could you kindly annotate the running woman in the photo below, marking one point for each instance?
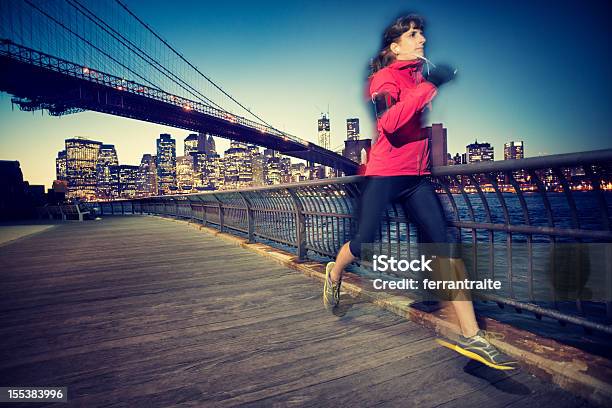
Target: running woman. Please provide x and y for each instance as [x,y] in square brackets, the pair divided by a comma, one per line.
[397,170]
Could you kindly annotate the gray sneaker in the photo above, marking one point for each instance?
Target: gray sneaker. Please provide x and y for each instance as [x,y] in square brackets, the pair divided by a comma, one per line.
[480,349]
[331,289]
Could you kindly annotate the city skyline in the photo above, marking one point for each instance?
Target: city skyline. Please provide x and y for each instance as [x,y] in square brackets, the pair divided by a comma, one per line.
[517,81]
[90,169]
[350,134]
[202,147]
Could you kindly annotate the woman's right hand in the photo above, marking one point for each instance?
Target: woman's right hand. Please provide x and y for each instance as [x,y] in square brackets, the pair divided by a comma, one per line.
[440,75]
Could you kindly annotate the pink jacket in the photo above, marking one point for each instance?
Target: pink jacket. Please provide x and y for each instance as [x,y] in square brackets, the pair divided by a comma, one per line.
[401,147]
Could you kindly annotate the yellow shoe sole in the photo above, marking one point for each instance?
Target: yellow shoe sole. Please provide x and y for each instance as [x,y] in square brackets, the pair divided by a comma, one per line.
[473,356]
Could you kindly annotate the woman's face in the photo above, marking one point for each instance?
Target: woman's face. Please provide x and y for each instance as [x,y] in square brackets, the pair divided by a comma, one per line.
[410,45]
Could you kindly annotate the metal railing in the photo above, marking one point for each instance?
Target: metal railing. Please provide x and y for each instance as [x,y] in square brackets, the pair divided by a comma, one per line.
[546,199]
[64,212]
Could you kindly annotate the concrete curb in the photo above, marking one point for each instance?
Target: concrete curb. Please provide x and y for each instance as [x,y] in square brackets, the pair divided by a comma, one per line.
[572,369]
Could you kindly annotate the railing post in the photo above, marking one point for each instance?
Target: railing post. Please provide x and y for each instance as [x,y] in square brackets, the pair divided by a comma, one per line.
[190,210]
[250,218]
[203,209]
[122,208]
[300,233]
[61,208]
[221,221]
[221,217]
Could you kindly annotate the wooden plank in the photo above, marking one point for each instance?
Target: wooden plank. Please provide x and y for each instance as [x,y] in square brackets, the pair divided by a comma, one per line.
[511,391]
[201,350]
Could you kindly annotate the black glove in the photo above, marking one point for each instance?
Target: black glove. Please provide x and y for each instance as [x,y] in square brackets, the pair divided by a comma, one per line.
[440,75]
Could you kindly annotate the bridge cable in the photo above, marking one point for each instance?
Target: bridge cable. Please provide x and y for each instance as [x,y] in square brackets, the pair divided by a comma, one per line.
[138,51]
[192,66]
[88,42]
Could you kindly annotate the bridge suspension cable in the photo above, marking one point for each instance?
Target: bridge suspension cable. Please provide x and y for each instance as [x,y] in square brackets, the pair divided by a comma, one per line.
[193,66]
[141,53]
[28,2]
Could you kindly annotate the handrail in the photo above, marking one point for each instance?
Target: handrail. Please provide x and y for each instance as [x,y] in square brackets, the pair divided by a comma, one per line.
[63,211]
[317,217]
[551,161]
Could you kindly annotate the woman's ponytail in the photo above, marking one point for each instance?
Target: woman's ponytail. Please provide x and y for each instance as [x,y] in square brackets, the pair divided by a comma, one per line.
[384,58]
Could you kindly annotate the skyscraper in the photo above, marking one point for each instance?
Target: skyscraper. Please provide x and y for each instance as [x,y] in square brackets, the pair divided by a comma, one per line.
[202,141]
[285,169]
[513,150]
[81,160]
[270,153]
[273,169]
[147,176]
[317,172]
[258,163]
[128,180]
[107,180]
[298,172]
[324,132]
[477,152]
[200,181]
[438,142]
[60,165]
[352,129]
[215,171]
[238,166]
[457,159]
[166,164]
[184,173]
[191,144]
[209,145]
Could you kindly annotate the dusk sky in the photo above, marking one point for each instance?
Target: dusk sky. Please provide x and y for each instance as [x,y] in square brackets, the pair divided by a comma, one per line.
[537,71]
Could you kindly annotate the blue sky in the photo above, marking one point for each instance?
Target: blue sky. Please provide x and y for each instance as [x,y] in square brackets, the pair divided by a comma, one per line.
[536,71]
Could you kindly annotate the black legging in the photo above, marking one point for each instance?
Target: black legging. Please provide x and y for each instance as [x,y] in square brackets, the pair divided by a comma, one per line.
[418,199]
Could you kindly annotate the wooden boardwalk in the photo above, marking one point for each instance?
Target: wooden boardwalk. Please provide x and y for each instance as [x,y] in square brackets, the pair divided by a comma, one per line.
[146,312]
